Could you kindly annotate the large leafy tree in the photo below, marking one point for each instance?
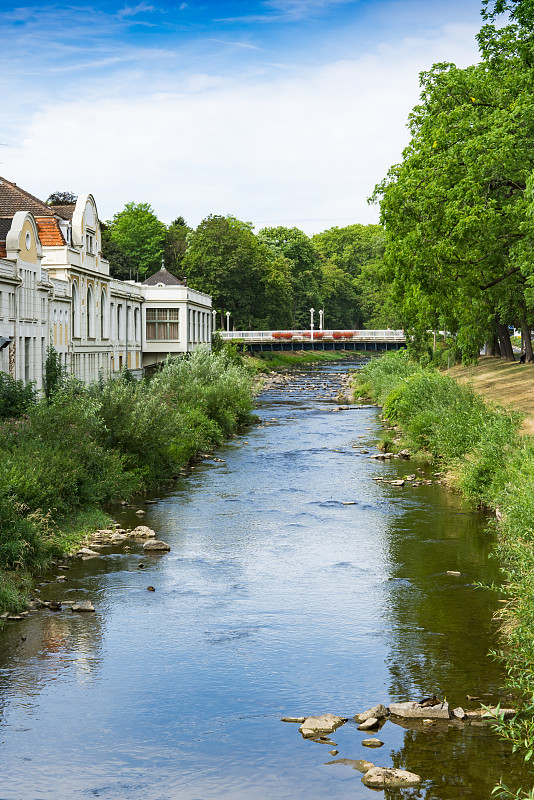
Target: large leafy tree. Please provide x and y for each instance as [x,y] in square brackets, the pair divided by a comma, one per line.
[136,240]
[354,288]
[293,245]
[227,261]
[455,208]
[176,245]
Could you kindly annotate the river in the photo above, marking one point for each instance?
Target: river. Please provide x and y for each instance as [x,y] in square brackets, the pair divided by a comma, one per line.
[296,585]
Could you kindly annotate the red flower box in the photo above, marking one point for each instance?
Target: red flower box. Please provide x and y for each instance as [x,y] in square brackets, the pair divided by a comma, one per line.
[277,335]
[337,335]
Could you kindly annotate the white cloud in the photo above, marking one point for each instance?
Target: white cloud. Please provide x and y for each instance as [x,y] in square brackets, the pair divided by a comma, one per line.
[304,150]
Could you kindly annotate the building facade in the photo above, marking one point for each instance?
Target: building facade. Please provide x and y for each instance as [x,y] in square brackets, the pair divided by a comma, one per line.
[55,288]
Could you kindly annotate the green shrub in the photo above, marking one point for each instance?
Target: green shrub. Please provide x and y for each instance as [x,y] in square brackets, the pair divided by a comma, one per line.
[15,396]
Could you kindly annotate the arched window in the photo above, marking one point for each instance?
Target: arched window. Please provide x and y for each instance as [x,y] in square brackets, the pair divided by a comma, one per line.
[103,315]
[75,310]
[90,313]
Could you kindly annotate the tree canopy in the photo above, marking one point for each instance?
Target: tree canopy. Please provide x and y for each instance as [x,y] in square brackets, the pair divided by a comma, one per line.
[456,209]
[138,239]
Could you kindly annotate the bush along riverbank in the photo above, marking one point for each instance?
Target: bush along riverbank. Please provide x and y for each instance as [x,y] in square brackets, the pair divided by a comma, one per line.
[63,458]
[486,458]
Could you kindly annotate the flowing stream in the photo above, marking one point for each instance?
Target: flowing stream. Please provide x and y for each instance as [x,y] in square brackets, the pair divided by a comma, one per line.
[296,585]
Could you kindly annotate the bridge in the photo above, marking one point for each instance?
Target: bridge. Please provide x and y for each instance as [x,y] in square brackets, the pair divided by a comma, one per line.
[317,339]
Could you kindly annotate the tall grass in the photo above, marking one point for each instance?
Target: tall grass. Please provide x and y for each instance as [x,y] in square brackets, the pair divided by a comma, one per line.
[493,465]
[67,456]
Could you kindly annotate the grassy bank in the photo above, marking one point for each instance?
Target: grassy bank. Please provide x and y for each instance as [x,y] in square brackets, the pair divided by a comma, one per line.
[272,360]
[63,459]
[481,446]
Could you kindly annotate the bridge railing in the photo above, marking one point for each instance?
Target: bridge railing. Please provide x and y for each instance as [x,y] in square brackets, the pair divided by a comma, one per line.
[318,335]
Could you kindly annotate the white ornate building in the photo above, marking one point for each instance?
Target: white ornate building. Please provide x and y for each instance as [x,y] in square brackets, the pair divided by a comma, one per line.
[55,288]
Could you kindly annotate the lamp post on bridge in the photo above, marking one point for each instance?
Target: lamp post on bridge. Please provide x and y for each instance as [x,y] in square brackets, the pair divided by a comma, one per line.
[227,322]
[321,314]
[311,327]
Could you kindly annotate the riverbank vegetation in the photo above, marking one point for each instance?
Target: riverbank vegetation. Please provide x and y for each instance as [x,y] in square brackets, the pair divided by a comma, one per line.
[481,448]
[62,459]
[458,208]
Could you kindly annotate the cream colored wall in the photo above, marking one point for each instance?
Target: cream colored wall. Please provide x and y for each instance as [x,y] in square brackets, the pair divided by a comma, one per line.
[28,254]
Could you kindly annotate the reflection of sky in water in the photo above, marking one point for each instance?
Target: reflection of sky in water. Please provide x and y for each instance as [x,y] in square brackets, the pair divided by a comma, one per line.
[276,599]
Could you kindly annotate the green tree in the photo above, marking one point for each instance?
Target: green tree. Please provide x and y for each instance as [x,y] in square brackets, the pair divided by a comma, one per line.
[54,372]
[294,245]
[455,208]
[176,245]
[227,261]
[140,238]
[355,293]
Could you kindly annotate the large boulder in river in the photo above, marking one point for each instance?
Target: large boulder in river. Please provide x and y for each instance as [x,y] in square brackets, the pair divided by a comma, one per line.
[378,712]
[318,726]
[143,532]
[156,545]
[414,710]
[382,777]
[84,605]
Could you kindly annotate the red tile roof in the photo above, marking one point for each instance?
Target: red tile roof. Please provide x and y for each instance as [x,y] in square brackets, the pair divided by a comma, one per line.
[49,232]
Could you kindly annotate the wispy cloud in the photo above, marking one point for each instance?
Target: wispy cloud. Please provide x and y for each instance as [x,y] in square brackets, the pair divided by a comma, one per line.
[244,45]
[288,10]
[302,149]
[132,11]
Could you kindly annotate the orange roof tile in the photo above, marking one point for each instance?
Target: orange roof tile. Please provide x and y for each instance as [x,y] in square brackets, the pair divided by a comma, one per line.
[49,232]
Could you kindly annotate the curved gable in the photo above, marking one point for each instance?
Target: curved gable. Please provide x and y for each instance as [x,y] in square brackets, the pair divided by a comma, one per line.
[22,240]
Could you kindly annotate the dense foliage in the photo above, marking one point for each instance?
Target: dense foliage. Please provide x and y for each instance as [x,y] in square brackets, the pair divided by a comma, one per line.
[267,280]
[87,446]
[457,210]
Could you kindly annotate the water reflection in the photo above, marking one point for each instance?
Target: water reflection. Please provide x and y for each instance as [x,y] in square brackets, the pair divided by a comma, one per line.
[278,598]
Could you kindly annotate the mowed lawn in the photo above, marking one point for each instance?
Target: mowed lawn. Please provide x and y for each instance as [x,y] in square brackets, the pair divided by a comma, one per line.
[507,383]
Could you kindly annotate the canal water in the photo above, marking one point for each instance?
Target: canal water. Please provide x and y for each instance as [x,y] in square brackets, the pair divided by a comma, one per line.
[296,585]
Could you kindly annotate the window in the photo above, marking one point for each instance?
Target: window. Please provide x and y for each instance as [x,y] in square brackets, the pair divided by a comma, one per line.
[90,311]
[162,323]
[90,243]
[103,315]
[75,310]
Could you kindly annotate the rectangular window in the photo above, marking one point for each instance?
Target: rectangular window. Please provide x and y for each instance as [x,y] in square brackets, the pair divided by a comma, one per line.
[162,324]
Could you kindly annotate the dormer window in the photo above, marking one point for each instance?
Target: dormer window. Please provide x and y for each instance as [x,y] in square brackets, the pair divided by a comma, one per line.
[90,243]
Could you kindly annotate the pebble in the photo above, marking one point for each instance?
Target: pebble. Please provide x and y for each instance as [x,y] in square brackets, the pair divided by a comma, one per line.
[372,743]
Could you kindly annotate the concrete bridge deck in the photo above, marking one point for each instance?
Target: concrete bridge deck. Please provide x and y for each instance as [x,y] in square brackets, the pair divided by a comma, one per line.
[322,339]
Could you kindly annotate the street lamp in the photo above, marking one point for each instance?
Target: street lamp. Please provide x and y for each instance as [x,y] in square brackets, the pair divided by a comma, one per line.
[311,326]
[214,325]
[227,322]
[321,314]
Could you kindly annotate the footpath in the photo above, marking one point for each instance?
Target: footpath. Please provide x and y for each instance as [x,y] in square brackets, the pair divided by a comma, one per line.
[507,383]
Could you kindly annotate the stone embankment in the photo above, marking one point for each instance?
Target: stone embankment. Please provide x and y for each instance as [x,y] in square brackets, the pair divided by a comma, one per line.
[412,713]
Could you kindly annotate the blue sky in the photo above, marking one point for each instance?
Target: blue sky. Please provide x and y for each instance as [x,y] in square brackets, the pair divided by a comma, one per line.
[280,112]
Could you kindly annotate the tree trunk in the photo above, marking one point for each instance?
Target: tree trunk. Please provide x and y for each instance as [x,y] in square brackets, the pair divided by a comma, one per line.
[495,350]
[527,342]
[504,340]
